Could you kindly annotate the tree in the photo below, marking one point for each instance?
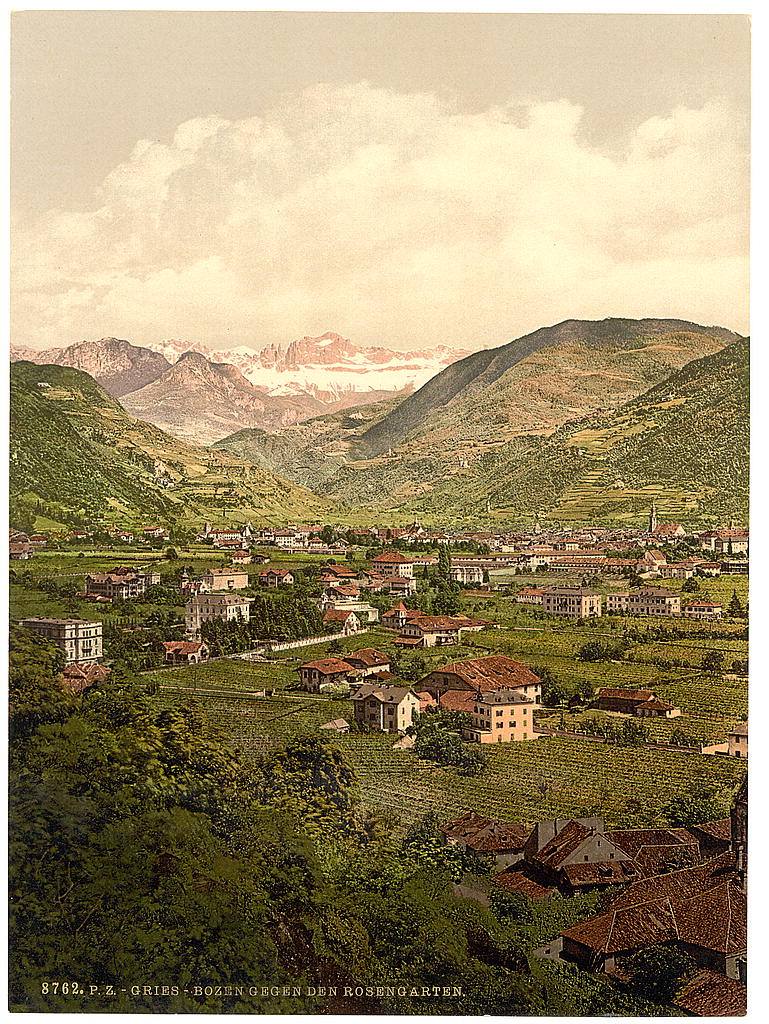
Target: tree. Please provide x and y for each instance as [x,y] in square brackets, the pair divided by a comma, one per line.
[735,609]
[697,805]
[712,662]
[659,973]
[172,554]
[691,586]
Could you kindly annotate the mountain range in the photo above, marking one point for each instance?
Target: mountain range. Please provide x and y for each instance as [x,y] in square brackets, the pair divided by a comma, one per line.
[76,454]
[202,395]
[401,453]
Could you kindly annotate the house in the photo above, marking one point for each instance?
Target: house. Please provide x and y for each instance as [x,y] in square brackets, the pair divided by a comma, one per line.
[656,708]
[648,601]
[336,574]
[399,615]
[642,703]
[738,740]
[212,607]
[155,533]
[123,587]
[466,575]
[707,611]
[701,910]
[398,586]
[340,620]
[79,639]
[530,595]
[456,685]
[430,631]
[393,563]
[342,591]
[339,725]
[708,994]
[78,677]
[572,602]
[501,716]
[277,578]
[184,652]
[18,549]
[652,559]
[486,837]
[241,557]
[226,579]
[368,661]
[385,708]
[325,673]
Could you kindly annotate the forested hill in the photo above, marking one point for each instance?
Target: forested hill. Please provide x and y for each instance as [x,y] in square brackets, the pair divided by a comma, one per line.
[75,453]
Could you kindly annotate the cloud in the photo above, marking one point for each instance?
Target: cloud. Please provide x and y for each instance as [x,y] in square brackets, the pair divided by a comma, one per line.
[396,221]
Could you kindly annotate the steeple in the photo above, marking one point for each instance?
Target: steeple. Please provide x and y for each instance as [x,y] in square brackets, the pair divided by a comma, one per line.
[653,518]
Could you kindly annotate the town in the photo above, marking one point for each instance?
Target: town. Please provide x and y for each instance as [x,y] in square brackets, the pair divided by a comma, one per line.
[593,678]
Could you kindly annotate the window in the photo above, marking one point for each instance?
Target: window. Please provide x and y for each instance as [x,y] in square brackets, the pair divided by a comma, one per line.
[500,724]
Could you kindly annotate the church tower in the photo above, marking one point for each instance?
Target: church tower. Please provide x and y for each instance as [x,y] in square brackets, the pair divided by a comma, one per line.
[653,518]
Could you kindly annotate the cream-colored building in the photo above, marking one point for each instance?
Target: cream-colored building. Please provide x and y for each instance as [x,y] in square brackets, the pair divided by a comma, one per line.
[209,607]
[501,716]
[80,639]
[572,602]
[738,740]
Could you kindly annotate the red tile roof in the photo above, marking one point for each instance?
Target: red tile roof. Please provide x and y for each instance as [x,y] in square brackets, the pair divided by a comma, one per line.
[708,994]
[328,666]
[494,672]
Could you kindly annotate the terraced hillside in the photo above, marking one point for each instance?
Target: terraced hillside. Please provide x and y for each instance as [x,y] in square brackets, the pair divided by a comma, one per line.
[433,449]
[684,444]
[75,451]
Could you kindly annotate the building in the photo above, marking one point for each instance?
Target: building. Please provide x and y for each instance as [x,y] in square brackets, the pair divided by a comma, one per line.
[277,578]
[501,716]
[466,575]
[20,549]
[457,684]
[325,673]
[226,579]
[80,639]
[397,617]
[731,541]
[185,652]
[385,708]
[486,837]
[241,557]
[649,601]
[115,586]
[668,533]
[77,678]
[738,740]
[530,595]
[214,607]
[393,563]
[368,661]
[701,910]
[572,602]
[707,611]
[341,620]
[398,586]
[641,703]
[431,631]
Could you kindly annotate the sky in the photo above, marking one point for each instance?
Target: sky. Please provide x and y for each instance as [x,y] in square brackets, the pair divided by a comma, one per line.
[406,180]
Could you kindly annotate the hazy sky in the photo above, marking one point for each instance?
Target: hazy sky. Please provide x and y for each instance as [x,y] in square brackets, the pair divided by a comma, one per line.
[406,180]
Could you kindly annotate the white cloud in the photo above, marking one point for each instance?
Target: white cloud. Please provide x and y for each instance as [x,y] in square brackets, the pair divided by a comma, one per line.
[394,220]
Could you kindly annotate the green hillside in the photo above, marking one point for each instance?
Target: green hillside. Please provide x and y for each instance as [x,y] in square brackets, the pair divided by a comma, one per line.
[76,454]
[684,443]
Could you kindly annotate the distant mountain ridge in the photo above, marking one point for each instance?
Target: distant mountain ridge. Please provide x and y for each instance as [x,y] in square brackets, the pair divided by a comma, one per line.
[307,378]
